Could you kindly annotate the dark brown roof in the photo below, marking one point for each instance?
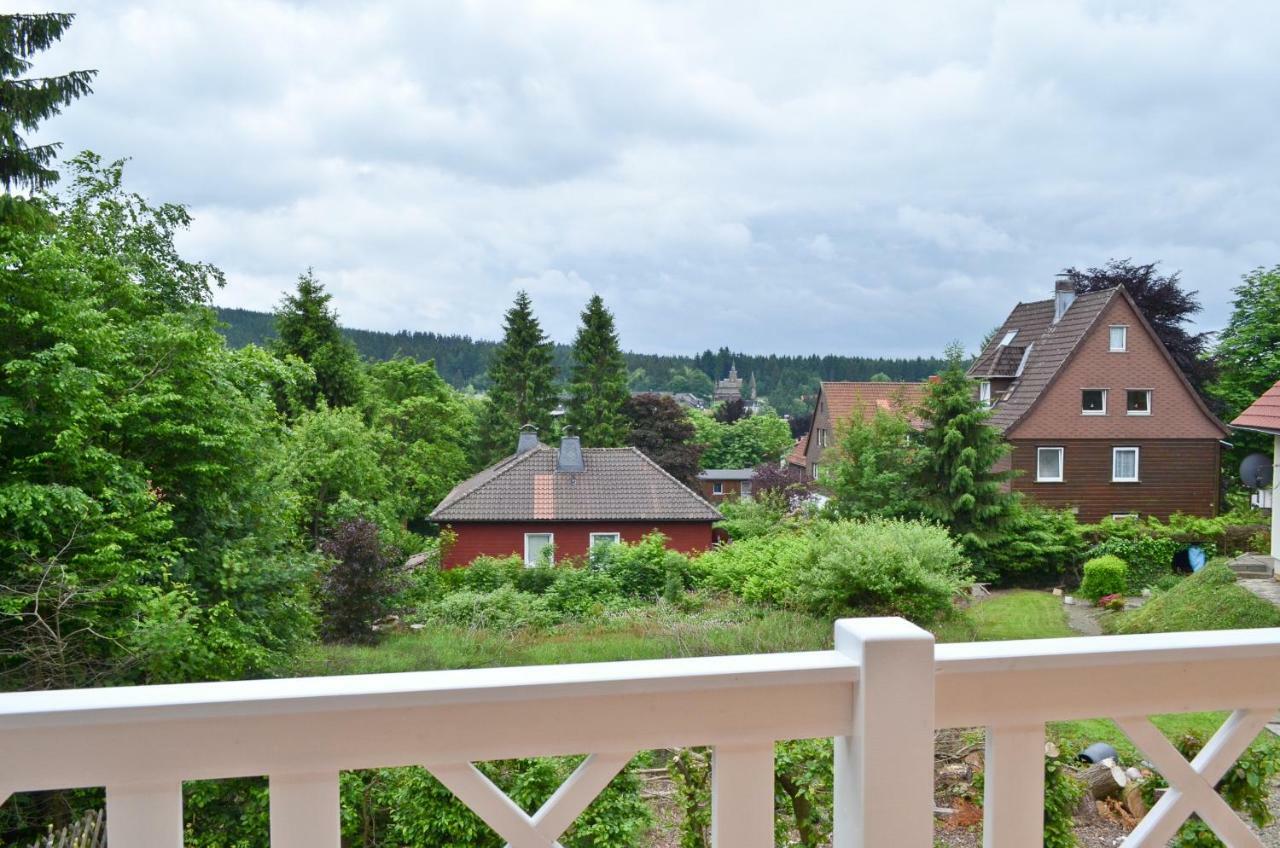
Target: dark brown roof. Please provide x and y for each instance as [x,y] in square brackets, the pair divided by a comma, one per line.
[1263,414]
[619,484]
[1030,320]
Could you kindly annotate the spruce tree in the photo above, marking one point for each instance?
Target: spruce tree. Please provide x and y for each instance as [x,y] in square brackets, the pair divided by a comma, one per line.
[521,375]
[308,329]
[598,382]
[959,452]
[26,102]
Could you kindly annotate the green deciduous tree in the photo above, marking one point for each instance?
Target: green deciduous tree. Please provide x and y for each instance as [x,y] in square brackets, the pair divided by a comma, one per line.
[746,443]
[308,329]
[598,381]
[875,468]
[1248,353]
[25,102]
[521,376]
[959,452]
[661,429]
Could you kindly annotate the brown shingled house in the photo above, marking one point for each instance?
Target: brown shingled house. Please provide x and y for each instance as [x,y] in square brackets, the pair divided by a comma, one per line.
[838,402]
[1100,417]
[569,498]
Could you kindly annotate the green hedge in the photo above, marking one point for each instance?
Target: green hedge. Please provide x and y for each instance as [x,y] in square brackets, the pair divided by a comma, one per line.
[1207,600]
[1149,558]
[1104,575]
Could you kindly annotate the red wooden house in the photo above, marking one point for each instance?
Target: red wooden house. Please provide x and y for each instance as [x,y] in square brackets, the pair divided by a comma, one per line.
[570,498]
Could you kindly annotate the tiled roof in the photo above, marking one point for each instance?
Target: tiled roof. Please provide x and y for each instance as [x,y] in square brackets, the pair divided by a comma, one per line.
[843,399]
[1263,414]
[797,457]
[1030,320]
[619,484]
[1051,346]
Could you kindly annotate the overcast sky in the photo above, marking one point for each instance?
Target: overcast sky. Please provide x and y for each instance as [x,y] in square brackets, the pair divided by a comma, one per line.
[863,178]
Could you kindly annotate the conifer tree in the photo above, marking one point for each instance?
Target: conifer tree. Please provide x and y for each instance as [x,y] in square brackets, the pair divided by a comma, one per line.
[959,452]
[521,375]
[26,102]
[308,329]
[598,382]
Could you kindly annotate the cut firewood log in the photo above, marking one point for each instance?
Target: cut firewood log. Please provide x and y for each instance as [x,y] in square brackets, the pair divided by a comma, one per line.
[1104,779]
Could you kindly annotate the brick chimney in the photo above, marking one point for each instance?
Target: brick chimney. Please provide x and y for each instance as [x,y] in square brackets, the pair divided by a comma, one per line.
[528,439]
[569,459]
[1064,294]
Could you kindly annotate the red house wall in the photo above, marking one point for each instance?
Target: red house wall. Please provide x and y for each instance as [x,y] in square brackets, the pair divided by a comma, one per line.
[572,539]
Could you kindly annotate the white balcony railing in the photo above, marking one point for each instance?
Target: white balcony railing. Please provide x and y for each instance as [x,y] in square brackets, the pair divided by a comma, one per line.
[880,693]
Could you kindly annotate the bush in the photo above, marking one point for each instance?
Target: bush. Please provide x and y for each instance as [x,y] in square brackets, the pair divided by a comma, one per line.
[763,515]
[1207,600]
[1104,575]
[582,593]
[484,574]
[1149,558]
[505,608]
[357,588]
[880,567]
[759,569]
[641,570]
[1038,546]
[537,580]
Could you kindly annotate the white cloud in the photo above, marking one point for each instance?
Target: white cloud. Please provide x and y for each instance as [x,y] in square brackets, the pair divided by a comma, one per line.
[858,178]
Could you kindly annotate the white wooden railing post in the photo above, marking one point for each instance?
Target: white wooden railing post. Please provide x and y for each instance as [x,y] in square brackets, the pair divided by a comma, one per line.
[742,796]
[305,811]
[147,814]
[884,767]
[1013,796]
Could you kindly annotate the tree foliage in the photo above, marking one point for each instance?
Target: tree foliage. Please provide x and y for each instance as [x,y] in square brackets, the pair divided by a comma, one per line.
[521,388]
[874,468]
[308,329]
[661,428]
[1164,303]
[359,582]
[959,454]
[26,102]
[746,443]
[1248,353]
[598,381]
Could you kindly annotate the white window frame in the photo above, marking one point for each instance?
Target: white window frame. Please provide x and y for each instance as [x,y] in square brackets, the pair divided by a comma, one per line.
[1008,338]
[613,538]
[1137,464]
[1062,462]
[984,392]
[528,563]
[1102,411]
[1124,516]
[1124,338]
[717,487]
[1128,411]
[744,489]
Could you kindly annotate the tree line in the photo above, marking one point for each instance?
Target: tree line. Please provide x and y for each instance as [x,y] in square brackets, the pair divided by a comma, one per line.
[788,382]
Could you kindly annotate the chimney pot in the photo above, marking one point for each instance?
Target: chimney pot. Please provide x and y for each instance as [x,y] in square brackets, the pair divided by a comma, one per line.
[1064,294]
[528,439]
[569,458]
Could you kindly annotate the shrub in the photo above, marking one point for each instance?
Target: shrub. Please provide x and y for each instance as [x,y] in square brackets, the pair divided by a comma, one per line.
[505,608]
[641,570]
[762,515]
[1039,545]
[880,567]
[1166,582]
[1207,600]
[485,574]
[1149,558]
[536,580]
[759,569]
[1104,575]
[357,588]
[1062,793]
[582,592]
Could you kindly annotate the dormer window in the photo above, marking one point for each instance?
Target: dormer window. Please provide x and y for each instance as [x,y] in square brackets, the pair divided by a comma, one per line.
[1008,338]
[1119,338]
[1093,402]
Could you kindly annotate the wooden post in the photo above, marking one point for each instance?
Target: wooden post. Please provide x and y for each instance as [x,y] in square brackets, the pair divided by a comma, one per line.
[147,814]
[884,767]
[1013,798]
[742,796]
[305,811]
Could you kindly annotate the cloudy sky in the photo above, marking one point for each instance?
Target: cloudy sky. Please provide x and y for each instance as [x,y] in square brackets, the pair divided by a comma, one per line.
[864,178]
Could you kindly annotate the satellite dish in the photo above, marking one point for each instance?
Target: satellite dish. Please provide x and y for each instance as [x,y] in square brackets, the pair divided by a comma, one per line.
[1256,472]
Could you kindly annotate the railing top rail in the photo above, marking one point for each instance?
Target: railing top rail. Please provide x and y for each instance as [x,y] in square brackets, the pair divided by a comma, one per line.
[1101,651]
[45,709]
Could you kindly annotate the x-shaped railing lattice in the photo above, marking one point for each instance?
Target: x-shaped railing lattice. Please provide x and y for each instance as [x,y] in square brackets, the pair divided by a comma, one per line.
[1191,785]
[548,824]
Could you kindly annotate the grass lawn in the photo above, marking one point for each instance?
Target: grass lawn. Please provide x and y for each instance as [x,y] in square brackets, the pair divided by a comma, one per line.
[1019,614]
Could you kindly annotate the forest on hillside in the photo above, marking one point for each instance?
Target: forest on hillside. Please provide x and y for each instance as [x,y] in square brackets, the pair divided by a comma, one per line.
[788,382]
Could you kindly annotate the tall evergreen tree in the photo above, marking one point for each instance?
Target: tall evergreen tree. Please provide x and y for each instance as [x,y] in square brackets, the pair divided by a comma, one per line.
[521,375]
[308,329]
[958,455]
[25,102]
[598,381]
